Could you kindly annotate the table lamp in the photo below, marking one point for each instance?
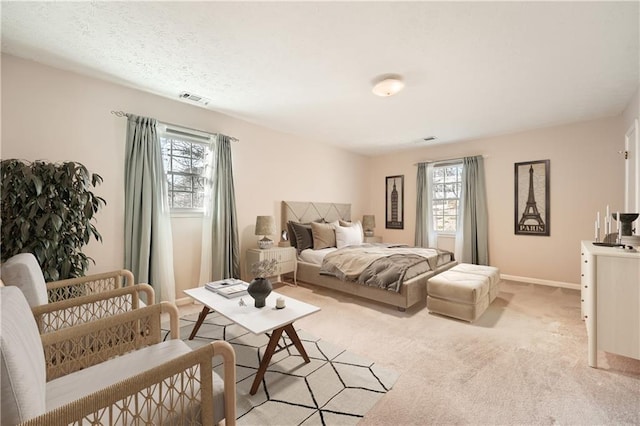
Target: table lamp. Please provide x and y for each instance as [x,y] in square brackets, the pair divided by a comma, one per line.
[368,224]
[265,226]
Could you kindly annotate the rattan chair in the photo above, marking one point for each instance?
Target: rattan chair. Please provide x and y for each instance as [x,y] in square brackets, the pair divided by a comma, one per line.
[115,370]
[23,271]
[66,313]
[74,301]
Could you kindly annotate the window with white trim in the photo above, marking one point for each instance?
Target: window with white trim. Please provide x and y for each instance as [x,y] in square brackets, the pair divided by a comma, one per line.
[184,155]
[445,196]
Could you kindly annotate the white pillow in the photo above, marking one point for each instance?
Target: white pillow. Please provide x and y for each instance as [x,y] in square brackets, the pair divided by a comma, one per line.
[349,235]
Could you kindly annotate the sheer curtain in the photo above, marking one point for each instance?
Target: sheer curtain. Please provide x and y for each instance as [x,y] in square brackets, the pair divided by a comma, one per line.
[422,207]
[148,249]
[220,244]
[473,217]
[425,236]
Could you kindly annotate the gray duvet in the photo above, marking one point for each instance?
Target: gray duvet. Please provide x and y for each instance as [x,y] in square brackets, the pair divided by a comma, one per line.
[385,266]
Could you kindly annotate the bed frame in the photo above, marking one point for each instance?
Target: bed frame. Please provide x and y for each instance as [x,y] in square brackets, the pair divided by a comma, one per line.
[411,292]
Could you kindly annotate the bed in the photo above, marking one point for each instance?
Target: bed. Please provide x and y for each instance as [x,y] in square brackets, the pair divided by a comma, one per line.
[410,292]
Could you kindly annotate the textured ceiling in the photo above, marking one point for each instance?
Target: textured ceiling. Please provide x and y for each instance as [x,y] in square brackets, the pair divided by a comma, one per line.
[471,69]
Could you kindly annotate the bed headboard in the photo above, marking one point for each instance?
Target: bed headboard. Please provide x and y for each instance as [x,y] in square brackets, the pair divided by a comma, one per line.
[305,211]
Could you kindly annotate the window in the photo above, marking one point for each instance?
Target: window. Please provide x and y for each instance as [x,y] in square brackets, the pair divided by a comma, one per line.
[184,156]
[445,195]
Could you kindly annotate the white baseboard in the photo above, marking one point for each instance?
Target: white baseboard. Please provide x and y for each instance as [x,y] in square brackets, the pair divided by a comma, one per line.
[550,283]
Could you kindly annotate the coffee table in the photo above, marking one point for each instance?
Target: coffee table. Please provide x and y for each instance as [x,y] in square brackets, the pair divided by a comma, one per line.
[257,321]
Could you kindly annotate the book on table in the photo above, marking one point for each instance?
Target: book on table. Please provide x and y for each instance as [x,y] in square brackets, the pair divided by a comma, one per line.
[230,287]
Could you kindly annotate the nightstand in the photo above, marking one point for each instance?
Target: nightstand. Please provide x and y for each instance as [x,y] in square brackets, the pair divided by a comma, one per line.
[285,256]
[373,239]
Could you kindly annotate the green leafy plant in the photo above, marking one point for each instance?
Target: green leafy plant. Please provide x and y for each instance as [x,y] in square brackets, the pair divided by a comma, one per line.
[48,210]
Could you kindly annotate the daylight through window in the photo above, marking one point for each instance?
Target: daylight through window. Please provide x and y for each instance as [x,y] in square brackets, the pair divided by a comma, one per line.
[446,188]
[184,164]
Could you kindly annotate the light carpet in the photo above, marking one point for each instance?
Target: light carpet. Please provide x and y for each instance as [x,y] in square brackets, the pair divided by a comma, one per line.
[524,362]
[336,388]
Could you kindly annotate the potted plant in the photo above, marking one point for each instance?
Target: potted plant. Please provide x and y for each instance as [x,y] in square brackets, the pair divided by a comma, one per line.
[48,209]
[261,287]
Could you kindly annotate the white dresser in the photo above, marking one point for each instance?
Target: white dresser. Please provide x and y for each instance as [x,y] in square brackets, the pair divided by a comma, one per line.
[285,256]
[610,294]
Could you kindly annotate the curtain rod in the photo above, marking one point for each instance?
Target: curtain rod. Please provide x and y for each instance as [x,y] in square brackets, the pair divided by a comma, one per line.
[447,160]
[126,114]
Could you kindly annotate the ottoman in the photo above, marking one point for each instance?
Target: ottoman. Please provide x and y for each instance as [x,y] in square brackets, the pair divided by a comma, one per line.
[464,291]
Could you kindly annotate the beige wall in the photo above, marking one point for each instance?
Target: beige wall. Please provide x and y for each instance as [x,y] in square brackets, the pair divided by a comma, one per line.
[586,175]
[631,115]
[633,110]
[56,115]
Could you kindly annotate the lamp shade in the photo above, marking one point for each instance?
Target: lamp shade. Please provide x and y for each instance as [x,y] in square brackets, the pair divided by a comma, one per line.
[368,222]
[265,225]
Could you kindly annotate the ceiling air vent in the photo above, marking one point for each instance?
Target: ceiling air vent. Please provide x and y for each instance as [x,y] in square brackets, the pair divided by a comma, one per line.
[427,139]
[194,98]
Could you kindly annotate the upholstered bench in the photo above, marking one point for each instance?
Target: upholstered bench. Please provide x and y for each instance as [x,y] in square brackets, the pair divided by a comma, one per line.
[464,291]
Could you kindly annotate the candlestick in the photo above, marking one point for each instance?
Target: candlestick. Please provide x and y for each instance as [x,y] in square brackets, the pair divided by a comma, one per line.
[619,228]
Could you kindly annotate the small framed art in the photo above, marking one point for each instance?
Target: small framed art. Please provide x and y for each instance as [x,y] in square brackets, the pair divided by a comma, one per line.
[394,192]
[532,198]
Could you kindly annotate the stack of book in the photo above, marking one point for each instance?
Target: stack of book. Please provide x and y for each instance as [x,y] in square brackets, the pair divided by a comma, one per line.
[229,288]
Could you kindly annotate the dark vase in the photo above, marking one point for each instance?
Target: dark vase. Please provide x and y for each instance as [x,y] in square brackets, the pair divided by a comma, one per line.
[259,289]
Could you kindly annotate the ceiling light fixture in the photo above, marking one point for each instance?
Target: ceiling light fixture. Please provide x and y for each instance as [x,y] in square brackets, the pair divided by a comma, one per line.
[389,86]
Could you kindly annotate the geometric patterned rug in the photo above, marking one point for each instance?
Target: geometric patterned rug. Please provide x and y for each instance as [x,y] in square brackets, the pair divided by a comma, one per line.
[335,388]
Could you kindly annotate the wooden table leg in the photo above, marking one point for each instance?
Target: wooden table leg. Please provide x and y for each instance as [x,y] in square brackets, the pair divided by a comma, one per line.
[268,353]
[271,348]
[291,332]
[203,314]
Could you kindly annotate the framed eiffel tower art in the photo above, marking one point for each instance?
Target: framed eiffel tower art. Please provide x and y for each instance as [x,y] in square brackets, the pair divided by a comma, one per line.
[532,198]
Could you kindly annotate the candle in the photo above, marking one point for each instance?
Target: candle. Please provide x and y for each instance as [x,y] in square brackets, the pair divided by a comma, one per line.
[280,303]
[617,221]
[597,231]
[607,222]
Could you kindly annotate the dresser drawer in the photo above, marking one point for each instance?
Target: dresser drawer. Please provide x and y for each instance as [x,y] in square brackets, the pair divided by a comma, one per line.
[285,267]
[284,256]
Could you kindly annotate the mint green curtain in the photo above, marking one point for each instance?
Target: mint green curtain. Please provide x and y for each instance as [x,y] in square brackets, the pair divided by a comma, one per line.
[220,244]
[148,249]
[422,207]
[474,220]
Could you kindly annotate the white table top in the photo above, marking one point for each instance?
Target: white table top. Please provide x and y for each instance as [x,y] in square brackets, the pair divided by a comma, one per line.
[256,320]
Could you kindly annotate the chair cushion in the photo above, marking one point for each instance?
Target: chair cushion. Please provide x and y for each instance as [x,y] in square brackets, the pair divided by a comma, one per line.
[23,271]
[73,386]
[22,365]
